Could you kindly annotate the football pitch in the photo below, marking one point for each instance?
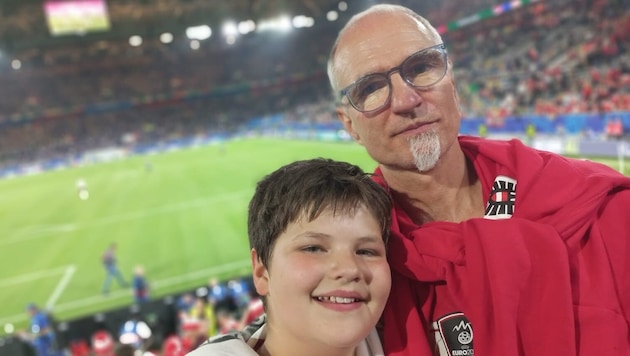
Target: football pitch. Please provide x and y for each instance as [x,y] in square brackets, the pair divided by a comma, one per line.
[184,220]
[181,215]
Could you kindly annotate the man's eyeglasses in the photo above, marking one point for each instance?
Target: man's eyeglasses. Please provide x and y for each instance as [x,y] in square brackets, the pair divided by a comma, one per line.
[421,70]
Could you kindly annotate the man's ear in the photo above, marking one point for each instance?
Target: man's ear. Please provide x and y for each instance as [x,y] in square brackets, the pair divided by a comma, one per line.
[260,274]
[347,124]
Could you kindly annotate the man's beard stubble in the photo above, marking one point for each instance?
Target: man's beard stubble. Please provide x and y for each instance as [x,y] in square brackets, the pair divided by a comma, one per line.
[425,149]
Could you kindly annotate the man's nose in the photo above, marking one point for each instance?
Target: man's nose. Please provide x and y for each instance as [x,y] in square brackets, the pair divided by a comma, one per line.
[404,96]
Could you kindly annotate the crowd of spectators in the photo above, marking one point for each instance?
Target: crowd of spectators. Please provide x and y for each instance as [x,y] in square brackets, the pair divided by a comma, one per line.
[166,326]
[219,307]
[547,58]
[554,59]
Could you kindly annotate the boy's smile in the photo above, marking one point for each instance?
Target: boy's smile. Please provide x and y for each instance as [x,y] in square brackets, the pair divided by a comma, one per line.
[327,282]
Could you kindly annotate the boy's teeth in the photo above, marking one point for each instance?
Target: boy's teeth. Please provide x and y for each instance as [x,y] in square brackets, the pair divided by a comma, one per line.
[339,300]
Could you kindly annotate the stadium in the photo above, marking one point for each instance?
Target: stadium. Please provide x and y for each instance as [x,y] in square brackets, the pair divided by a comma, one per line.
[146,124]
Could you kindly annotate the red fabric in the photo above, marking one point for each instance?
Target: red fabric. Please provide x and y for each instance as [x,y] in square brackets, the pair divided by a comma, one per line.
[255,308]
[173,346]
[79,348]
[548,281]
[103,343]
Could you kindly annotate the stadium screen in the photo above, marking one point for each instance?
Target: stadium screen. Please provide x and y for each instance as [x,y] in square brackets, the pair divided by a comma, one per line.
[76,16]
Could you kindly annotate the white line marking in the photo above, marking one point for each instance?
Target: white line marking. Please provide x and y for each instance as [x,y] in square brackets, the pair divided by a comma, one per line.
[98,299]
[31,234]
[31,276]
[208,272]
[61,286]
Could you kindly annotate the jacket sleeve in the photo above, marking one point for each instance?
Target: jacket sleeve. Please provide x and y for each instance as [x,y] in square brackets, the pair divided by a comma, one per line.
[613,228]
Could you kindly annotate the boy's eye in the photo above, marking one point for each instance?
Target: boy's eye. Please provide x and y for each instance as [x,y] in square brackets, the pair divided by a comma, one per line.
[313,248]
[368,252]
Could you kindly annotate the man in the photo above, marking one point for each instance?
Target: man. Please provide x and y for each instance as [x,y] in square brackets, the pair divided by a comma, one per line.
[111,268]
[140,285]
[525,248]
[41,331]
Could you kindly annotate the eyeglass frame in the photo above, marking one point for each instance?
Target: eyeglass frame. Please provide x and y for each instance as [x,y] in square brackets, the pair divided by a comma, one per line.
[441,47]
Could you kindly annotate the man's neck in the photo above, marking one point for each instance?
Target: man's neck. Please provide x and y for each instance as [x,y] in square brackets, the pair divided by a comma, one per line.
[449,192]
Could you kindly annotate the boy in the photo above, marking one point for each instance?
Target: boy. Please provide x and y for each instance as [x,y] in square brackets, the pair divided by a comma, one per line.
[317,230]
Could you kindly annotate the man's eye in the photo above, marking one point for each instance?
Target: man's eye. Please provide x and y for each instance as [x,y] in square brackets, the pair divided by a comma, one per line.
[417,68]
[368,87]
[423,63]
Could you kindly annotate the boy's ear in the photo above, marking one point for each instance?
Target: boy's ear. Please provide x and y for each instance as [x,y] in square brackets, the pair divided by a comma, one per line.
[260,274]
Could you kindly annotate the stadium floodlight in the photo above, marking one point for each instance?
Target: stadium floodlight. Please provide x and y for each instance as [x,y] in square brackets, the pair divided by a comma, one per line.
[166,37]
[16,64]
[282,24]
[135,41]
[303,21]
[343,6]
[200,33]
[229,29]
[332,15]
[245,27]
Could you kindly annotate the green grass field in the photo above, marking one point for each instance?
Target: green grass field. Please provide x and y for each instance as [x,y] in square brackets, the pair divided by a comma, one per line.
[184,221]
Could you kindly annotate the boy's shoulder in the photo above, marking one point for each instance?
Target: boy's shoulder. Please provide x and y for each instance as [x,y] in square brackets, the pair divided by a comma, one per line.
[224,345]
[235,343]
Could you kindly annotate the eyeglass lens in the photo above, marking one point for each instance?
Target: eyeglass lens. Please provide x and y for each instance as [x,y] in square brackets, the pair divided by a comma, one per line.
[421,69]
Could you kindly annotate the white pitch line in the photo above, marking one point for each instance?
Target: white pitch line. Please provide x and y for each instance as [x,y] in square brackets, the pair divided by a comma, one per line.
[204,272]
[32,234]
[31,276]
[98,299]
[61,286]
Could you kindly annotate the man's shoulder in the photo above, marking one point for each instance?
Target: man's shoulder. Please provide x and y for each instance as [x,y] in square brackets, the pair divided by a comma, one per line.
[474,142]
[615,205]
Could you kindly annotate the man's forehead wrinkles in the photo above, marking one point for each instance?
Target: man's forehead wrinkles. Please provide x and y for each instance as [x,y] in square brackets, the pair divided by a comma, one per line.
[373,61]
[369,46]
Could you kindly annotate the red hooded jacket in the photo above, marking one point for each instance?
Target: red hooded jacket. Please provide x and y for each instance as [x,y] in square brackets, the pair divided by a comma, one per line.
[553,279]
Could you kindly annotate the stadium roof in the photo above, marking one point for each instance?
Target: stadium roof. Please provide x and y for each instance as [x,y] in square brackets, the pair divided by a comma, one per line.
[24,24]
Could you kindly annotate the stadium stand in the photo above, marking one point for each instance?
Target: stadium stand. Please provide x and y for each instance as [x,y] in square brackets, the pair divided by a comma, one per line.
[557,67]
[543,61]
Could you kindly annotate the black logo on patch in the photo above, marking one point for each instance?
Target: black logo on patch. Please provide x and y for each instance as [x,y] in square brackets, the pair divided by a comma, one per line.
[502,198]
[457,333]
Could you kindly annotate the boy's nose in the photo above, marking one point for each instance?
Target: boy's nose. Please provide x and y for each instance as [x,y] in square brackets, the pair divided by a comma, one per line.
[345,266]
